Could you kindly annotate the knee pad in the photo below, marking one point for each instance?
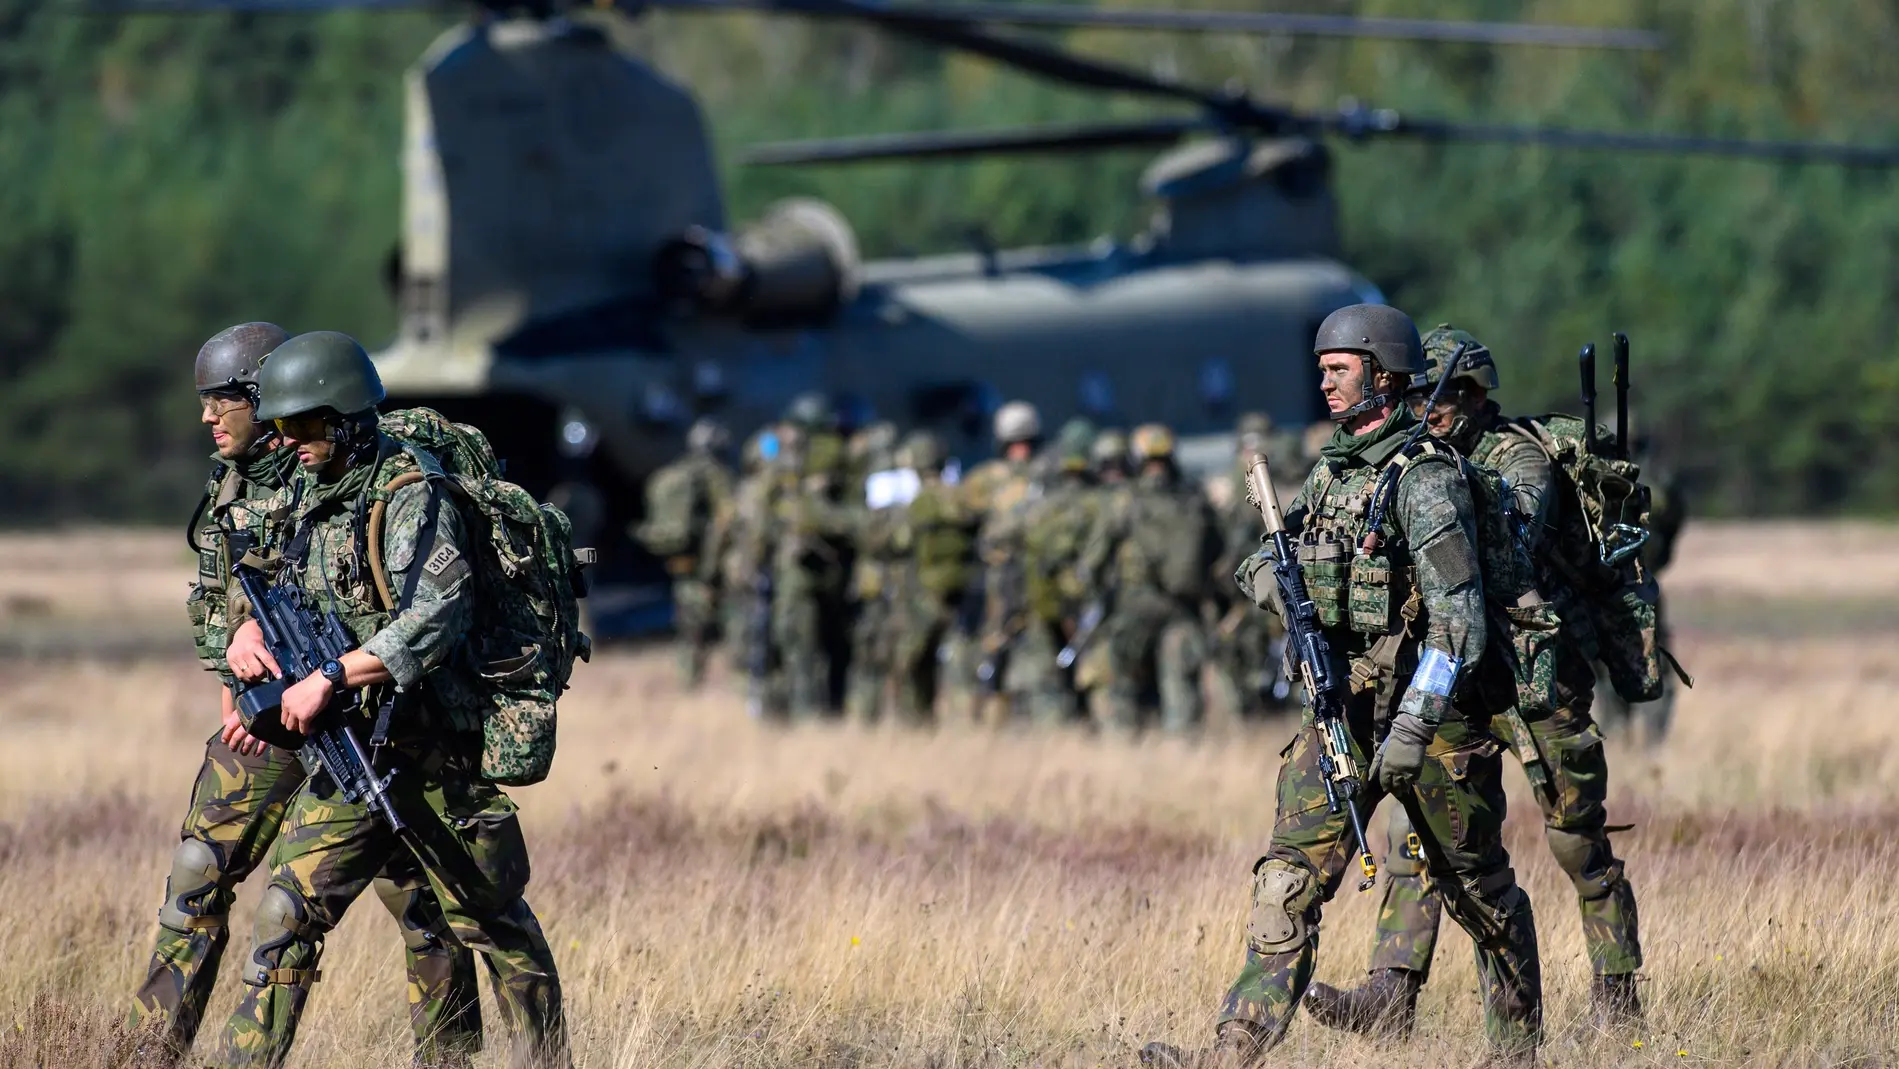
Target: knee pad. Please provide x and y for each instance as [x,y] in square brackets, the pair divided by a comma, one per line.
[194,893]
[283,923]
[1588,860]
[1283,896]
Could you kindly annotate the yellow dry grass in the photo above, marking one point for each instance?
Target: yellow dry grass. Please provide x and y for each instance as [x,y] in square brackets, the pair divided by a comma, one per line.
[722,894]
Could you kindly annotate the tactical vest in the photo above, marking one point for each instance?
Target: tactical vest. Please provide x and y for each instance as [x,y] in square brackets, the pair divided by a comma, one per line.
[1375,594]
[1055,533]
[231,502]
[1166,540]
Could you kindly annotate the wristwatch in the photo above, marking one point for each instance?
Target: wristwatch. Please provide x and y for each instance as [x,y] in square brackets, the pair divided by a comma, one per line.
[333,671]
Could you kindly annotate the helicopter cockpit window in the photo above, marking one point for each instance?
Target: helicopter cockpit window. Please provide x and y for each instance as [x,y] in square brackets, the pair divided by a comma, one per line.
[708,381]
[1216,384]
[1097,394]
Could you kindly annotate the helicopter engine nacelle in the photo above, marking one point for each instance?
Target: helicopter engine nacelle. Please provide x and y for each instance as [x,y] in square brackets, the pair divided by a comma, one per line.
[797,265]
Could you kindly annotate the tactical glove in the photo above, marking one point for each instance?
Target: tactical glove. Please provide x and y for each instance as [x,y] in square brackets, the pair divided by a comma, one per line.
[1255,579]
[1402,753]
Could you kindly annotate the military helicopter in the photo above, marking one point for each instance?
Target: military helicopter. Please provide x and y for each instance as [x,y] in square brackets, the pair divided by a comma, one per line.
[568,280]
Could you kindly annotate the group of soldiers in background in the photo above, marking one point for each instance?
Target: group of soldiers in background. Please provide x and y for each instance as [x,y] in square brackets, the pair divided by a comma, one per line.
[1078,578]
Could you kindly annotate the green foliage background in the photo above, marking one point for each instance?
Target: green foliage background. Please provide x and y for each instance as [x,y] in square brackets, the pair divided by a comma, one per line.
[163,176]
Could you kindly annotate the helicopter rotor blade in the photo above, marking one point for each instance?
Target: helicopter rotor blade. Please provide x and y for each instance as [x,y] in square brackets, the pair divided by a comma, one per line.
[1356,122]
[164,7]
[1264,22]
[959,144]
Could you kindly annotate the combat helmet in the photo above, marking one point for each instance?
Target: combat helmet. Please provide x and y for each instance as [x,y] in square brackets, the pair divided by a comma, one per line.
[922,451]
[707,435]
[1477,367]
[1381,335]
[1072,445]
[1152,441]
[1110,448]
[811,411]
[1017,421]
[229,362]
[319,371]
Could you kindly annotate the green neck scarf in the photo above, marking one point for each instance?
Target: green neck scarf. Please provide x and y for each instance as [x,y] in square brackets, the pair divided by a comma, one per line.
[1346,449]
[270,468]
[355,481]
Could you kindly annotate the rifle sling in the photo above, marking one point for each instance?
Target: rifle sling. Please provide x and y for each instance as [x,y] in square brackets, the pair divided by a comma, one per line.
[424,539]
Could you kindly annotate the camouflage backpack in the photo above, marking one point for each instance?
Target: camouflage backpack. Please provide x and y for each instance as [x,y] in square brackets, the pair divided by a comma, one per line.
[942,534]
[528,583]
[1596,551]
[678,510]
[1518,670]
[1170,542]
[458,447]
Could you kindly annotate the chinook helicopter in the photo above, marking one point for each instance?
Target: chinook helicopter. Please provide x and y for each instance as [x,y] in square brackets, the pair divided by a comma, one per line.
[568,280]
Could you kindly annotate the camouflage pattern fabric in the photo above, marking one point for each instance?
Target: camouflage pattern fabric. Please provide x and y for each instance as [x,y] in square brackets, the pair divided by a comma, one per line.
[1460,795]
[689,504]
[696,618]
[1573,817]
[236,807]
[1154,546]
[467,838]
[232,502]
[999,492]
[811,568]
[748,535]
[873,587]
[1427,595]
[1244,647]
[1056,529]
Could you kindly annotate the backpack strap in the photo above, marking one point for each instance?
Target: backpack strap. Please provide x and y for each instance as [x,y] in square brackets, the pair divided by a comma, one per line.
[378,515]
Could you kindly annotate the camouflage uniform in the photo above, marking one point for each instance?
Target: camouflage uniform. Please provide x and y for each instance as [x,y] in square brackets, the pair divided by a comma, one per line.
[1151,548]
[1428,545]
[237,805]
[1668,504]
[1056,527]
[464,834]
[872,450]
[998,491]
[934,558]
[747,537]
[1246,648]
[813,528]
[684,500]
[1563,756]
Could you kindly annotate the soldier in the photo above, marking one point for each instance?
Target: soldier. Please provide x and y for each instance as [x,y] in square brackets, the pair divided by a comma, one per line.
[996,491]
[238,802]
[1405,704]
[321,391]
[872,454]
[1247,648]
[683,500]
[814,523]
[1110,457]
[934,562]
[1056,525]
[1561,752]
[744,532]
[1150,550]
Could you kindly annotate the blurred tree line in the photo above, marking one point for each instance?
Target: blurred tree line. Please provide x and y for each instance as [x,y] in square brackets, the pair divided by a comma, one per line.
[164,176]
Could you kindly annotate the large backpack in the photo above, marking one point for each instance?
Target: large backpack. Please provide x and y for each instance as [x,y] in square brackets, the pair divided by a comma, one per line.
[459,448]
[1518,669]
[678,510]
[528,584]
[1596,551]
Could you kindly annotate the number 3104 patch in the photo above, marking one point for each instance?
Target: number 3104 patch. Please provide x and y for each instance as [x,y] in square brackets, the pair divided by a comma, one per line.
[439,560]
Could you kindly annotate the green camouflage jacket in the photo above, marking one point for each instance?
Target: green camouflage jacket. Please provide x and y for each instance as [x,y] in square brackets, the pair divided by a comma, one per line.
[233,501]
[314,547]
[1423,583]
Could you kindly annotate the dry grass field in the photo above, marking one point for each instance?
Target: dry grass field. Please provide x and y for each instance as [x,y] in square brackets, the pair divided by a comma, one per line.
[725,895]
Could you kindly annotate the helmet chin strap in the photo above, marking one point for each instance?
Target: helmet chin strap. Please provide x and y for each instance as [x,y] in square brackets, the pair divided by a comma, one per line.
[1369,402]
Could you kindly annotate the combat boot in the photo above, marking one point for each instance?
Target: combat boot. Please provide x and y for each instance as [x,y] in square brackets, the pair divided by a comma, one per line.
[1385,1006]
[1613,1001]
[1236,1045]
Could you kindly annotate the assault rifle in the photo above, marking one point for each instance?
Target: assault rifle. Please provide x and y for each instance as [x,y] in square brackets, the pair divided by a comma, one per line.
[301,642]
[1324,689]
[1086,628]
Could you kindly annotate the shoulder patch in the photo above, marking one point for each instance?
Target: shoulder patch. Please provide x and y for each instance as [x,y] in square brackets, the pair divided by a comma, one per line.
[440,560]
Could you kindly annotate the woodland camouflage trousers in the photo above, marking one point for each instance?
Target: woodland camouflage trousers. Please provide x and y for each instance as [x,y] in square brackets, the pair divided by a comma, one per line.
[1570,776]
[237,806]
[465,837]
[1460,797]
